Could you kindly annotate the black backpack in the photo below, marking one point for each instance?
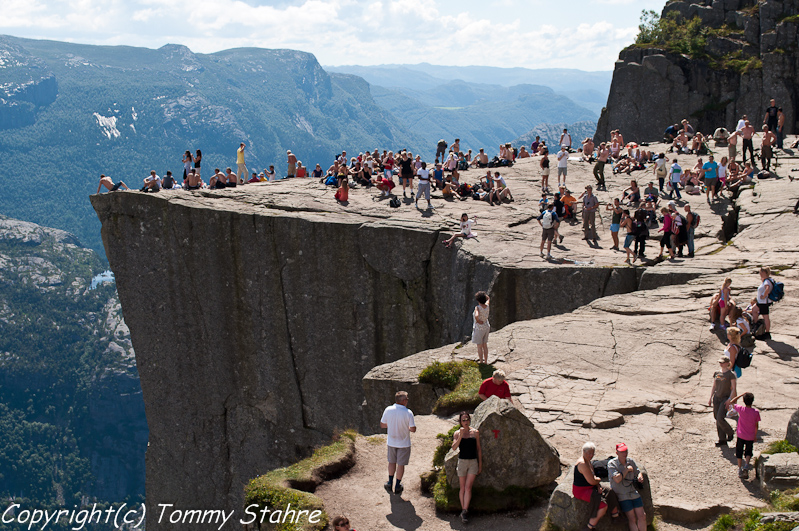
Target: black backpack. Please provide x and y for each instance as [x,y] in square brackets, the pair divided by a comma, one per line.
[744,358]
[394,202]
[601,467]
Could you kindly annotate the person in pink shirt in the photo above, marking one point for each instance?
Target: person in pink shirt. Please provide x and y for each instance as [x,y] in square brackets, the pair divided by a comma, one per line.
[666,229]
[748,420]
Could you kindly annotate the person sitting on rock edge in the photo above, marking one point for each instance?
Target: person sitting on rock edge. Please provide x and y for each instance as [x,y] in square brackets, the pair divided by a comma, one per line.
[622,473]
[466,229]
[470,460]
[586,482]
[495,386]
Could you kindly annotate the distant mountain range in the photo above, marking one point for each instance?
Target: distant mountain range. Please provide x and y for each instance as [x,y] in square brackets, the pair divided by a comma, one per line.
[586,89]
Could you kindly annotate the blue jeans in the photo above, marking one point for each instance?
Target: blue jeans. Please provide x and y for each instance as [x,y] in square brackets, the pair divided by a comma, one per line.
[675,189]
[691,240]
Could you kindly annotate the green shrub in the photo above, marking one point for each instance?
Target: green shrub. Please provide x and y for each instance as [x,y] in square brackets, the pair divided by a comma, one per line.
[725,522]
[463,377]
[780,447]
[443,446]
[786,500]
[750,521]
[443,374]
[283,486]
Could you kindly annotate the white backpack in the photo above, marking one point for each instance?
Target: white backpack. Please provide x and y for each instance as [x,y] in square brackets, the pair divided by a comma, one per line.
[547,221]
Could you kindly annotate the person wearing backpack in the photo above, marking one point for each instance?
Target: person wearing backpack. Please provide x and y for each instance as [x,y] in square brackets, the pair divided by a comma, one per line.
[763,302]
[733,349]
[549,223]
[693,223]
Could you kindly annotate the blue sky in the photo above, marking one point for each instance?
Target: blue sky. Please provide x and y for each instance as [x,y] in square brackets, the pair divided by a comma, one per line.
[527,33]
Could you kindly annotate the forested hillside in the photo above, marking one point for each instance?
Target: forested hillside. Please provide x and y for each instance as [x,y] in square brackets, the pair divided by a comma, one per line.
[71,412]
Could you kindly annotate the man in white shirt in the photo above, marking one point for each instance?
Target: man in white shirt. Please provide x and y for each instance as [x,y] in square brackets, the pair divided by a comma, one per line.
[399,421]
[152,183]
[563,163]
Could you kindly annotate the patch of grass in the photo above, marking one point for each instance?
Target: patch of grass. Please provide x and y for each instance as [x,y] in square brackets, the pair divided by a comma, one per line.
[780,447]
[749,520]
[785,500]
[375,439]
[790,18]
[463,377]
[294,484]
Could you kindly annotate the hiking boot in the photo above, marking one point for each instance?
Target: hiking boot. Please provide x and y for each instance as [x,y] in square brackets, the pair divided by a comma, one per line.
[721,443]
[730,437]
[398,489]
[742,473]
[388,486]
[561,239]
[464,519]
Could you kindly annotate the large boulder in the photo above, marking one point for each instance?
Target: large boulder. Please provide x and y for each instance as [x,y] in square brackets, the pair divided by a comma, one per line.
[792,435]
[567,513]
[778,471]
[514,453]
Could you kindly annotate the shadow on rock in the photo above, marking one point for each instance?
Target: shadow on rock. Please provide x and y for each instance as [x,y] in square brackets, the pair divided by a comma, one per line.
[403,514]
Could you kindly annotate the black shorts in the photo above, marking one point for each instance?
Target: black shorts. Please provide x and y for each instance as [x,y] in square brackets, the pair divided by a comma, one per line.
[743,448]
[763,308]
[192,187]
[230,185]
[116,186]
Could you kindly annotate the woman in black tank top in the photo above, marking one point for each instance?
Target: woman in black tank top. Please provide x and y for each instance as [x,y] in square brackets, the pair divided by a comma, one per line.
[470,459]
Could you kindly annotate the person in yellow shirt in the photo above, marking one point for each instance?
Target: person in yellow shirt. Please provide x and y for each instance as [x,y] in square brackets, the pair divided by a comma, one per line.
[241,166]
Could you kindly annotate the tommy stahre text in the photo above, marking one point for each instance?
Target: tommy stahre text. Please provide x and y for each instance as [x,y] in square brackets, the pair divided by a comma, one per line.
[132,517]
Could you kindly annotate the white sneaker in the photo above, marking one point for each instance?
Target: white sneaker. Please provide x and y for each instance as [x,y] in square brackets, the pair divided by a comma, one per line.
[712,326]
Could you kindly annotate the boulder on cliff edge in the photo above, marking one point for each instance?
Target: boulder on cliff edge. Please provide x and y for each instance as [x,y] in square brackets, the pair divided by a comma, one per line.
[514,453]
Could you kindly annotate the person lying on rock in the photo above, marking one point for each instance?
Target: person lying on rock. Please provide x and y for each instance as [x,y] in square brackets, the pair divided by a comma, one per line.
[109,184]
[586,487]
[623,474]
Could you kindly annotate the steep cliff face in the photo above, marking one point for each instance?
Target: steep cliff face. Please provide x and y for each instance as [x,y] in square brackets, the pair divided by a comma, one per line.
[254,322]
[749,55]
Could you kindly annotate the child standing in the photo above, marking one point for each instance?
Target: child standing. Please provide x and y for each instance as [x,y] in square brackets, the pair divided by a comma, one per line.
[748,420]
[481,326]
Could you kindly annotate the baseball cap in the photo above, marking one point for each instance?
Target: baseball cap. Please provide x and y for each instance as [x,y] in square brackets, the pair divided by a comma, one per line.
[621,447]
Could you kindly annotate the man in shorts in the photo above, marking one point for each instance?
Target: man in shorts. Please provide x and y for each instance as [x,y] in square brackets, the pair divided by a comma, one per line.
[399,421]
[549,224]
[763,302]
[563,163]
[109,184]
[710,169]
[622,473]
[590,204]
[291,164]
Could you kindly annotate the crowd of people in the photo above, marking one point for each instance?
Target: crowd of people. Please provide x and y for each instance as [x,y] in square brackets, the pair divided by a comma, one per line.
[638,209]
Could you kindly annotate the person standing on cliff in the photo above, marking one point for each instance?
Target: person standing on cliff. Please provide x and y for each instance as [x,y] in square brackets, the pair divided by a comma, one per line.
[772,115]
[780,131]
[291,164]
[747,133]
[240,165]
[599,168]
[590,204]
[767,147]
[399,421]
[441,149]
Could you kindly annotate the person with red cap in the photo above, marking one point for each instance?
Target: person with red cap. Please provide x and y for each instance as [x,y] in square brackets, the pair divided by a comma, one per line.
[624,474]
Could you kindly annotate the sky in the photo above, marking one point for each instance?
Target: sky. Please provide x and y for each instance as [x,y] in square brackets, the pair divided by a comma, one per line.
[585,34]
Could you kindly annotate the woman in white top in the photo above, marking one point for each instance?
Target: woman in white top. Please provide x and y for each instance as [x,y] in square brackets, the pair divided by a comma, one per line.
[762,307]
[481,326]
[466,229]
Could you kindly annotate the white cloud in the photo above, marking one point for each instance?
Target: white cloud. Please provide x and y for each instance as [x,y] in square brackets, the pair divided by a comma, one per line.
[454,32]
